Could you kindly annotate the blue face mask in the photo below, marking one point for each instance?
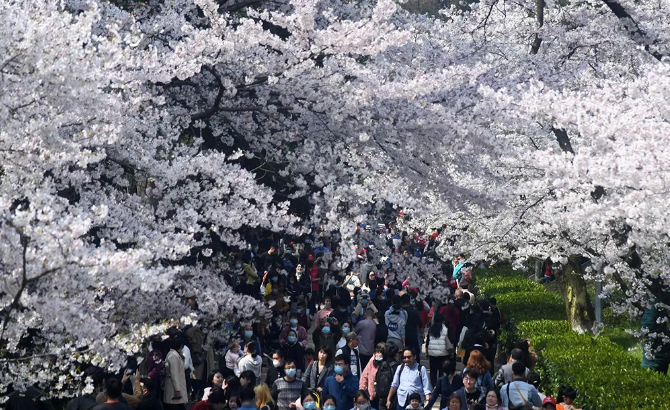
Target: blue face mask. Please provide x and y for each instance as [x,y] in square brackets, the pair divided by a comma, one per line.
[248,333]
[362,406]
[329,407]
[339,369]
[364,302]
[298,311]
[288,252]
[310,405]
[379,358]
[412,302]
[346,330]
[290,372]
[326,330]
[294,322]
[274,278]
[292,339]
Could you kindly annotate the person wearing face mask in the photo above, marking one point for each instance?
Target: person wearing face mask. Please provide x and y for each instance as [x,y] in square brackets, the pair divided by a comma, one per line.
[303,315]
[317,372]
[342,313]
[364,303]
[343,384]
[293,325]
[327,334]
[247,336]
[368,380]
[310,401]
[346,328]
[277,370]
[362,401]
[287,390]
[278,296]
[294,351]
[329,403]
[351,350]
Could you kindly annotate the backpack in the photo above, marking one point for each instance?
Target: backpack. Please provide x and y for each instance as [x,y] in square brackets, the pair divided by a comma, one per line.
[383,380]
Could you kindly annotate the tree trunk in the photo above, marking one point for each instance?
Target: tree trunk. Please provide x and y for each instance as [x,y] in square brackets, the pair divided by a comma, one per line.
[580,312]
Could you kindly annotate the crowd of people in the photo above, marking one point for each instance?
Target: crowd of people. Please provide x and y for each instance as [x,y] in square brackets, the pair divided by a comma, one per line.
[369,330]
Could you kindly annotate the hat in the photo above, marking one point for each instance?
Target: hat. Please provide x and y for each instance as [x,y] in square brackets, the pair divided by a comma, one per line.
[352,336]
[548,399]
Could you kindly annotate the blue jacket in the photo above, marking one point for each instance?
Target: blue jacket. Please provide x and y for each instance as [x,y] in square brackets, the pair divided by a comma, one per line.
[343,392]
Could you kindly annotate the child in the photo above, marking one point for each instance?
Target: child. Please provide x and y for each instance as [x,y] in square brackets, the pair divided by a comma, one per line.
[414,402]
[309,355]
[233,357]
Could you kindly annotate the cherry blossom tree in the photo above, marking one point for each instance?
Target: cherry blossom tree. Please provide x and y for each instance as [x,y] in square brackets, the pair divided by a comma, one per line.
[140,139]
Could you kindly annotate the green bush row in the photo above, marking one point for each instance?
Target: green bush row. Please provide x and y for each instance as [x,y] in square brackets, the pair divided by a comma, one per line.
[605,375]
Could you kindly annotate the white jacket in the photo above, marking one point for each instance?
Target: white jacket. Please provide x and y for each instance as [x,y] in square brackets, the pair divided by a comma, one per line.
[251,363]
[439,346]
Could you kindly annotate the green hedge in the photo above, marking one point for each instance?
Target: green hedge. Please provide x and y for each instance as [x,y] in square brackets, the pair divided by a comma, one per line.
[605,375]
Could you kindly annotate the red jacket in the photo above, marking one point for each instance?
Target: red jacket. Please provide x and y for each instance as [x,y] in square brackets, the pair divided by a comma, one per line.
[202,405]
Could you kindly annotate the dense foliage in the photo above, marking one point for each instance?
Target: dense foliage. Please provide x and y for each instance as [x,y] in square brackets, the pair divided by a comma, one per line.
[605,375]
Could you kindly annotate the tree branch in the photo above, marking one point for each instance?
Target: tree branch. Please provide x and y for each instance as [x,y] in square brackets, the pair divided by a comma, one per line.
[210,111]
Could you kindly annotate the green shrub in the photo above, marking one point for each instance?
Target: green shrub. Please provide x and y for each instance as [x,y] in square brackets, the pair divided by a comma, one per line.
[605,375]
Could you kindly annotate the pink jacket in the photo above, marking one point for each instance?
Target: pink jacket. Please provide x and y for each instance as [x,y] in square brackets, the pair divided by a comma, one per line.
[367,381]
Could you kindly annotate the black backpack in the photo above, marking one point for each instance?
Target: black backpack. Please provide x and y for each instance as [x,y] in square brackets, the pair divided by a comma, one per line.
[383,380]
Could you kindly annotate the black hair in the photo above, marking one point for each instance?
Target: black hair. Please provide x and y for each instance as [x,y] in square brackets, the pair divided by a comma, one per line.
[148,383]
[328,352]
[436,329]
[251,348]
[279,353]
[534,379]
[477,406]
[247,395]
[566,391]
[308,351]
[469,372]
[360,393]
[177,342]
[113,387]
[217,397]
[414,396]
[449,367]
[493,301]
[251,376]
[233,383]
[404,299]
[289,361]
[236,399]
[344,358]
[518,369]
[411,350]
[391,350]
[313,393]
[327,397]
[517,354]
